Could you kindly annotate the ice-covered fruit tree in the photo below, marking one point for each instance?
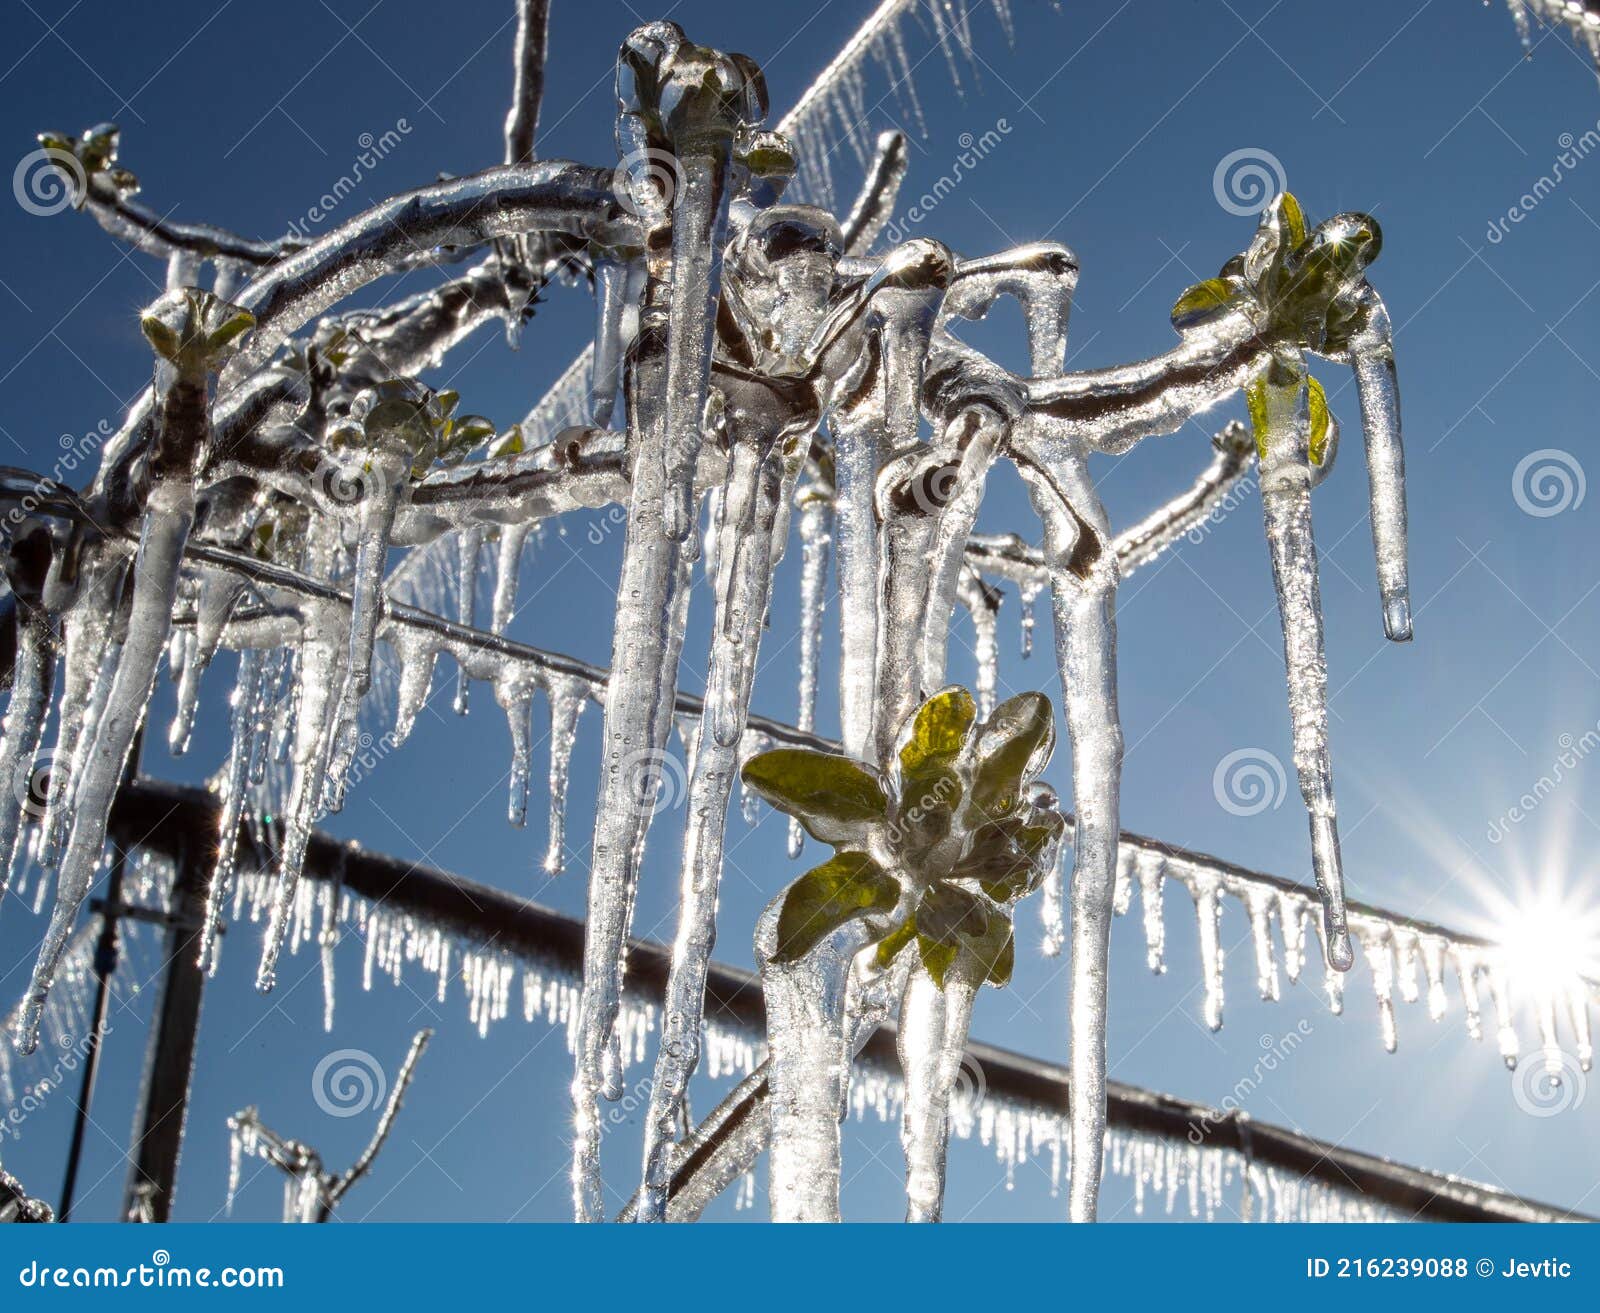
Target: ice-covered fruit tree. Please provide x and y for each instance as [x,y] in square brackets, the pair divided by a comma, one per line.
[764,367]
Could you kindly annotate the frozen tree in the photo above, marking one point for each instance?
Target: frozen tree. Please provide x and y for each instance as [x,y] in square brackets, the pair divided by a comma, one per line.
[770,365]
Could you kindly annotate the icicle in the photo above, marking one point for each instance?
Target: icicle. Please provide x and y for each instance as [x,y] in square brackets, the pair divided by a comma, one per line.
[468,544]
[87,666]
[1505,1032]
[1467,974]
[1577,1000]
[1208,913]
[183,269]
[1260,904]
[1292,925]
[816,540]
[416,656]
[1025,595]
[1405,963]
[1152,869]
[618,285]
[168,516]
[515,697]
[508,565]
[182,667]
[1433,951]
[646,643]
[1127,878]
[1519,16]
[327,942]
[33,676]
[1372,356]
[983,606]
[376,486]
[1052,921]
[568,698]
[810,1072]
[313,741]
[757,487]
[857,449]
[247,693]
[1380,960]
[1280,411]
[214,603]
[932,1041]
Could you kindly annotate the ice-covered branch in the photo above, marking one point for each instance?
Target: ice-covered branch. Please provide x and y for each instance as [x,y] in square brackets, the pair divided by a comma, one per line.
[527,86]
[552,195]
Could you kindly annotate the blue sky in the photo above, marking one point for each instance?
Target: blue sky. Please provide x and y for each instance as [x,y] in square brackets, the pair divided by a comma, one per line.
[1115,120]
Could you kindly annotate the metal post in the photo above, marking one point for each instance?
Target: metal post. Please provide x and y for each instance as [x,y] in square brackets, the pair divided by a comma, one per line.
[169,1060]
[105,965]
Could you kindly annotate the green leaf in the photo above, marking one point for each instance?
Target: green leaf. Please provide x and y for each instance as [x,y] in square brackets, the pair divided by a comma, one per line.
[847,886]
[926,809]
[947,910]
[509,443]
[234,325]
[937,958]
[162,337]
[938,730]
[1318,401]
[832,797]
[1206,301]
[1009,858]
[996,951]
[1281,231]
[889,947]
[1292,219]
[1013,746]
